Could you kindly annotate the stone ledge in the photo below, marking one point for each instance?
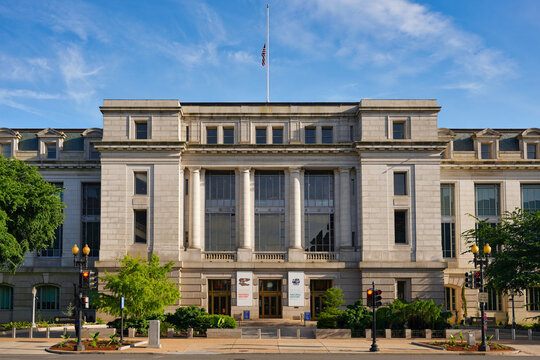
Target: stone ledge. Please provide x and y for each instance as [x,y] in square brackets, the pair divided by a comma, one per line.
[224,333]
[332,333]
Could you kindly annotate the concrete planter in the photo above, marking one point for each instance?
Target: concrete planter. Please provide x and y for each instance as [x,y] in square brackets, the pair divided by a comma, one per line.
[332,333]
[224,333]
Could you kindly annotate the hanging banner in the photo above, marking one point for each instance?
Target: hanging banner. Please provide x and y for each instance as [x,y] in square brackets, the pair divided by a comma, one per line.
[296,288]
[244,288]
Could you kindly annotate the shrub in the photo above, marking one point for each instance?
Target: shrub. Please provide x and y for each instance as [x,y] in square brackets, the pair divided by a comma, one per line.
[356,317]
[332,300]
[419,314]
[218,322]
[328,321]
[188,317]
[139,324]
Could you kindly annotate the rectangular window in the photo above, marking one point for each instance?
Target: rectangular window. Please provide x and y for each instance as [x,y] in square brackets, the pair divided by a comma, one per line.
[277,135]
[269,189]
[450,299]
[141,130]
[533,298]
[485,151]
[47,298]
[400,226]
[55,250]
[448,227]
[531,151]
[398,130]
[91,217]
[6,150]
[319,211]
[530,196]
[269,232]
[319,230]
[187,133]
[269,211]
[220,218]
[401,289]
[494,300]
[51,150]
[487,200]
[351,133]
[141,182]
[6,297]
[211,135]
[319,189]
[310,135]
[140,226]
[228,135]
[400,183]
[260,136]
[327,135]
[94,154]
[220,233]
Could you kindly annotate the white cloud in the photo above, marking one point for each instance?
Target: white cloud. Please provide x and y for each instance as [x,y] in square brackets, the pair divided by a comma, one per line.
[14,97]
[25,69]
[77,74]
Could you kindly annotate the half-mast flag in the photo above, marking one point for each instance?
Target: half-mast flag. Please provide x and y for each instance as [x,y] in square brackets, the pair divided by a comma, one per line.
[263,54]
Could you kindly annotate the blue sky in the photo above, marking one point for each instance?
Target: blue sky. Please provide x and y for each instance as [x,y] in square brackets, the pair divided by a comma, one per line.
[479,59]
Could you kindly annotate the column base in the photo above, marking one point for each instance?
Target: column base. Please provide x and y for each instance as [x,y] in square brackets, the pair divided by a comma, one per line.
[192,255]
[296,255]
[244,255]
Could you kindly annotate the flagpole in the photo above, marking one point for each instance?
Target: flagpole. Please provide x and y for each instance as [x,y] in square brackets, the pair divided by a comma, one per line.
[267,53]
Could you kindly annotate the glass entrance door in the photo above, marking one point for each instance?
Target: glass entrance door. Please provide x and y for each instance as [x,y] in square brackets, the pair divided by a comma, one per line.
[270,298]
[219,297]
[317,289]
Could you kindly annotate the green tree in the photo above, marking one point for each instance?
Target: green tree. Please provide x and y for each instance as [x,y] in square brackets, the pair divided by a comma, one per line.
[30,212]
[145,286]
[332,300]
[515,243]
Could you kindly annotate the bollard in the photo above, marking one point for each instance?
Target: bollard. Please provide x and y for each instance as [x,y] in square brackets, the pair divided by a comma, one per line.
[388,333]
[368,333]
[13,333]
[65,331]
[497,335]
[48,333]
[298,333]
[471,339]
[259,334]
[154,334]
[513,334]
[131,332]
[279,333]
[31,332]
[190,333]
[529,334]
[428,333]
[408,333]
[170,333]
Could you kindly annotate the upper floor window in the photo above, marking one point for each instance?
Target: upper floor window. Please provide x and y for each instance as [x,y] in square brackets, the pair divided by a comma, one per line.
[90,219]
[327,135]
[269,211]
[6,297]
[228,135]
[485,151]
[141,130]
[319,189]
[277,135]
[530,196]
[5,150]
[220,189]
[400,226]
[220,217]
[319,211]
[260,136]
[211,135]
[400,183]
[55,249]
[141,183]
[310,135]
[140,217]
[531,151]
[398,130]
[487,200]
[533,298]
[448,226]
[50,149]
[48,297]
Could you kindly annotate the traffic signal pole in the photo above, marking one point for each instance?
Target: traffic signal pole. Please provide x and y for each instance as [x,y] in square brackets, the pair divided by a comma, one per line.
[374,346]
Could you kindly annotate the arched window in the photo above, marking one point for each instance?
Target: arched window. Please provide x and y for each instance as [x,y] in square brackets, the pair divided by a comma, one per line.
[6,297]
[48,297]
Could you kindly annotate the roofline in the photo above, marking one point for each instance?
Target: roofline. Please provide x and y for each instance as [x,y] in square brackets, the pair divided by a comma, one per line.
[64,129]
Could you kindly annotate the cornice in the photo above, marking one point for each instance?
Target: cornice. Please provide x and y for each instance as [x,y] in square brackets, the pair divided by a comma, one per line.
[64,165]
[392,109]
[490,165]
[400,145]
[139,145]
[269,149]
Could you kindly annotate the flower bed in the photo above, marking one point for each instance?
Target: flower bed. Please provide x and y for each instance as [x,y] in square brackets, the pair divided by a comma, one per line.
[89,345]
[462,346]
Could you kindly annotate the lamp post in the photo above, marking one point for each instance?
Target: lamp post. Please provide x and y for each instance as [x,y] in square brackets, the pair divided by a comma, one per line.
[482,261]
[80,262]
[34,292]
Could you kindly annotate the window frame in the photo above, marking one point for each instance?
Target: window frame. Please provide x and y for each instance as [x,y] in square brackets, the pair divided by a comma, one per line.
[267,185]
[138,131]
[89,219]
[403,132]
[327,138]
[405,227]
[486,155]
[10,291]
[137,181]
[135,237]
[450,298]
[534,151]
[448,217]
[220,201]
[40,297]
[208,137]
[312,139]
[317,202]
[3,147]
[228,138]
[280,136]
[533,297]
[48,146]
[404,186]
[523,186]
[260,135]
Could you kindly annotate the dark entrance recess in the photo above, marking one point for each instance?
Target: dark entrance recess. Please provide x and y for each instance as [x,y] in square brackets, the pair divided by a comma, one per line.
[219,297]
[270,298]
[317,289]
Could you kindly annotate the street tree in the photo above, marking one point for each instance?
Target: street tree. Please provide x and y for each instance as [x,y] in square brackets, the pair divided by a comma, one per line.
[145,286]
[30,212]
[515,243]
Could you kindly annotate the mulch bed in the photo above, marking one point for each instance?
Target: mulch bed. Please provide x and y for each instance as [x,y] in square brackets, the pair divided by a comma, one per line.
[462,346]
[101,346]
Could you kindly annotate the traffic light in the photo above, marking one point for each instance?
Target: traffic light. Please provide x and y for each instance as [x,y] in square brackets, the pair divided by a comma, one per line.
[85,278]
[477,280]
[378,298]
[86,302]
[92,279]
[370,297]
[469,281]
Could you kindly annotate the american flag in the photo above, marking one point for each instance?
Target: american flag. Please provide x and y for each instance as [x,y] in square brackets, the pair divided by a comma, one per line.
[263,54]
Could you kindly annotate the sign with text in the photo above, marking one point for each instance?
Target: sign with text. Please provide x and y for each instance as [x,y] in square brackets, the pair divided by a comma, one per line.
[483,297]
[296,288]
[244,288]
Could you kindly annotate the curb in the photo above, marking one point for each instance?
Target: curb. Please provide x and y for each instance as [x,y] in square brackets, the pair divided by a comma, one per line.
[434,347]
[122,348]
[71,352]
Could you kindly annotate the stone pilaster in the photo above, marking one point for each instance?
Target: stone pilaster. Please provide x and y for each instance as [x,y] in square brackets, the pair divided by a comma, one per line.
[195,241]
[345,208]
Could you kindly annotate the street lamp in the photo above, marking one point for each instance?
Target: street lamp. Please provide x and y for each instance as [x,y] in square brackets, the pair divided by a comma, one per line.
[34,292]
[81,262]
[482,261]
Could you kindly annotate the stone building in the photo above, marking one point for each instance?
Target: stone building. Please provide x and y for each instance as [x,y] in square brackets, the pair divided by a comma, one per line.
[262,207]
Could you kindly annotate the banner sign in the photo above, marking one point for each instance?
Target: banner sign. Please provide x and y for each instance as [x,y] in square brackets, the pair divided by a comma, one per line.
[296,288]
[244,288]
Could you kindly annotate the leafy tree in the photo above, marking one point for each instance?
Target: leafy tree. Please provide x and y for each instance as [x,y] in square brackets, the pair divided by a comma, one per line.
[145,286]
[332,300]
[30,212]
[516,239]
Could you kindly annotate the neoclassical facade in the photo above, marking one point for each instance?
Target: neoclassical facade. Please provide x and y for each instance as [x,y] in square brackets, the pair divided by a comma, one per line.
[262,207]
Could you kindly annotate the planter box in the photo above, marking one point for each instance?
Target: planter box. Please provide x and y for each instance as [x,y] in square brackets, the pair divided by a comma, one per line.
[332,333]
[224,333]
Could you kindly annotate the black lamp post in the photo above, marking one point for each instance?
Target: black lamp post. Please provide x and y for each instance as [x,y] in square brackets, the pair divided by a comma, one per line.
[482,261]
[82,263]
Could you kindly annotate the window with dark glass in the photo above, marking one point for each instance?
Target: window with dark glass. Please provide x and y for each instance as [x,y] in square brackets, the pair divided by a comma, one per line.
[141,182]
[47,298]
[530,196]
[310,135]
[400,226]
[91,216]
[260,136]
[533,298]
[55,250]
[220,207]
[219,297]
[327,135]
[228,135]
[319,211]
[187,133]
[531,151]
[277,135]
[140,226]
[94,154]
[401,287]
[448,226]
[211,135]
[6,297]
[450,299]
[141,130]
[269,211]
[6,150]
[487,200]
[485,151]
[398,130]
[494,300]
[400,183]
[51,150]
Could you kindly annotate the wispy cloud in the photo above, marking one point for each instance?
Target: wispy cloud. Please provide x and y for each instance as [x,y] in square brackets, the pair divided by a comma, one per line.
[15,98]
[23,69]
[77,74]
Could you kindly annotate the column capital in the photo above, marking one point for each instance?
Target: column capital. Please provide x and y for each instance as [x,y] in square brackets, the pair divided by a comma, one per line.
[344,169]
[245,169]
[194,168]
[295,169]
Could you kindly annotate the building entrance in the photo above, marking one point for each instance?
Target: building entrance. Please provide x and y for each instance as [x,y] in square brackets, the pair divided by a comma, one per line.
[219,297]
[270,298]
[317,289]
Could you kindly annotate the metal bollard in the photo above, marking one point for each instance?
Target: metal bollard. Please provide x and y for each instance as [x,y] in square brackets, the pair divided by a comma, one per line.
[529,334]
[513,334]
[13,333]
[65,331]
[48,333]
[298,333]
[259,334]
[30,332]
[497,335]
[279,333]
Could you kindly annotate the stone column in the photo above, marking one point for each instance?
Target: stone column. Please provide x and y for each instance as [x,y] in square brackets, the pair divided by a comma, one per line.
[296,213]
[245,220]
[269,134]
[181,195]
[195,242]
[345,208]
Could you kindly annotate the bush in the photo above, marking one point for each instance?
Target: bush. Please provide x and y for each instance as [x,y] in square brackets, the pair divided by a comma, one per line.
[328,321]
[218,322]
[332,300]
[356,317]
[417,315]
[164,327]
[139,324]
[188,317]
